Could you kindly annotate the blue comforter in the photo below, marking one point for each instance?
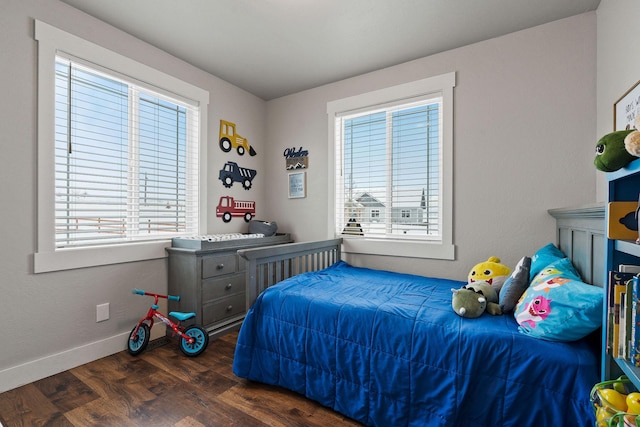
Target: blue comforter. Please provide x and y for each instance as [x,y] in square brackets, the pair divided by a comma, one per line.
[386,349]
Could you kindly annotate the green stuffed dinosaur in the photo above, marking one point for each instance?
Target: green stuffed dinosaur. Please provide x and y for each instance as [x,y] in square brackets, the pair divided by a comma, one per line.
[473,299]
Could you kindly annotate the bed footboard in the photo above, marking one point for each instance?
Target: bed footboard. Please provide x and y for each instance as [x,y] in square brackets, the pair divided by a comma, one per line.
[269,265]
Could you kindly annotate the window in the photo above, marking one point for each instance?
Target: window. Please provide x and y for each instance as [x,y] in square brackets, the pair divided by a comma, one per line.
[124,161]
[392,174]
[120,146]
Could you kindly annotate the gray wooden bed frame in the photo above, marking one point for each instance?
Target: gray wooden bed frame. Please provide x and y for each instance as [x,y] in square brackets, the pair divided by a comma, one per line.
[579,234]
[269,265]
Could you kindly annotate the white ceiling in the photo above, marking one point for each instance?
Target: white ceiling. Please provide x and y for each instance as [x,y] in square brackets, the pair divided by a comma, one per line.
[273,48]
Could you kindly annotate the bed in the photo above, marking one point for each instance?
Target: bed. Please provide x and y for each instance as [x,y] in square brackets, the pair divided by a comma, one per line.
[386,349]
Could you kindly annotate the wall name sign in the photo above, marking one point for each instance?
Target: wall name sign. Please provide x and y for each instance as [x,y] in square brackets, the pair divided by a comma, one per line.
[296,159]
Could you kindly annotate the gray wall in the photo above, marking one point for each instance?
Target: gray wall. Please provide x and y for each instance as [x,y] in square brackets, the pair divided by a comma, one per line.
[526,121]
[524,126]
[49,320]
[618,66]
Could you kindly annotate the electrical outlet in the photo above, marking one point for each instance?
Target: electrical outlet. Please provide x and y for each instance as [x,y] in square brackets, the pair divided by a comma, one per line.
[102,312]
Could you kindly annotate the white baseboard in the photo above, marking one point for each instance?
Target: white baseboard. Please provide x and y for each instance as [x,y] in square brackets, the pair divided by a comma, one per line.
[34,370]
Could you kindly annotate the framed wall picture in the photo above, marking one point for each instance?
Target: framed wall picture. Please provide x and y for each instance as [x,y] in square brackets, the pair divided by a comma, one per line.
[297,185]
[627,108]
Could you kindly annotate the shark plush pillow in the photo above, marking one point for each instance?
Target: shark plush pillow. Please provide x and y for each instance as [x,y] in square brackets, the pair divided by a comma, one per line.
[558,306]
[491,271]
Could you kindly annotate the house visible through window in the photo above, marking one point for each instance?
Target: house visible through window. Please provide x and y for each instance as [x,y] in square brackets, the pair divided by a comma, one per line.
[392,177]
[122,163]
[390,161]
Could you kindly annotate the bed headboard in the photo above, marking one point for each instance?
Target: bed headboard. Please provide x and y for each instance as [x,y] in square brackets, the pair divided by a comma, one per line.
[580,234]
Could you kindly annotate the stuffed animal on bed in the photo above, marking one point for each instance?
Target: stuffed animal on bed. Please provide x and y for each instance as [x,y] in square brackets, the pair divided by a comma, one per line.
[472,300]
[490,271]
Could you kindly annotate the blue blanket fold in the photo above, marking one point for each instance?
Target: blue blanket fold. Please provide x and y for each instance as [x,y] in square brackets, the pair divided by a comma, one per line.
[386,349]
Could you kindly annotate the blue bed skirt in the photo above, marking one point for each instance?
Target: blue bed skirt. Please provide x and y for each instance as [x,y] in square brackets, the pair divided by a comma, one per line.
[386,349]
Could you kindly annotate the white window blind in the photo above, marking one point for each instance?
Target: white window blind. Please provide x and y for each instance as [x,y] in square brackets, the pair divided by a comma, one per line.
[388,162]
[126,159]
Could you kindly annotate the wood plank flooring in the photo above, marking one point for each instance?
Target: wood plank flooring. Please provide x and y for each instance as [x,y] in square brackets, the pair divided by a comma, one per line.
[161,387]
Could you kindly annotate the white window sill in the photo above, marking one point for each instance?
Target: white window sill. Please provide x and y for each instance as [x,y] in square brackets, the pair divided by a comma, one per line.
[405,249]
[68,259]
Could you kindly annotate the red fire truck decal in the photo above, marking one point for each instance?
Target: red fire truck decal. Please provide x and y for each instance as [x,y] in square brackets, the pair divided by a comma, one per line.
[229,207]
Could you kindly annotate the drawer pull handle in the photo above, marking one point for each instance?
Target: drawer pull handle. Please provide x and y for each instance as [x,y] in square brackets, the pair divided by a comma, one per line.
[229,308]
[229,285]
[220,266]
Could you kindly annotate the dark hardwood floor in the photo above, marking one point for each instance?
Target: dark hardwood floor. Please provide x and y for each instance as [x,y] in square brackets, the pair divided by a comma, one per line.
[160,387]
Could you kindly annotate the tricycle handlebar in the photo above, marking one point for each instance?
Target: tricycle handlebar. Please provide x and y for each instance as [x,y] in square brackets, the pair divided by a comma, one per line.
[169,297]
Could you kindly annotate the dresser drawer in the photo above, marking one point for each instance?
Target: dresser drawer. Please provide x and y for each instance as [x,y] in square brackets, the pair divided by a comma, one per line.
[219,265]
[223,308]
[220,287]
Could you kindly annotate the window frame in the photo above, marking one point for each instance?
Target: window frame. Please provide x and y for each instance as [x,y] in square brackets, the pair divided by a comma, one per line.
[441,85]
[47,257]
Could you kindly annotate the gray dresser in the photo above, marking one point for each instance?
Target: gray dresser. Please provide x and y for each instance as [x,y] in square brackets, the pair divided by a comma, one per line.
[209,277]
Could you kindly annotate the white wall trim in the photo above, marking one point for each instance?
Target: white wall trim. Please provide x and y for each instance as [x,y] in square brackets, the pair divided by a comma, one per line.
[70,258]
[38,369]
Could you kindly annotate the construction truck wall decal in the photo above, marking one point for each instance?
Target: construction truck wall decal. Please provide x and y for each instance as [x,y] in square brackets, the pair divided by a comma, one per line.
[231,173]
[229,207]
[230,139]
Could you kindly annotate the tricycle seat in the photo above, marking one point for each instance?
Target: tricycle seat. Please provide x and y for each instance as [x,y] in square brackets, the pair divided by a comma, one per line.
[182,316]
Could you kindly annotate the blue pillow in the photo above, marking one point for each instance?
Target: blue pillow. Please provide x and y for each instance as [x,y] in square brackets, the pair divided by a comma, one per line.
[543,257]
[561,267]
[515,285]
[558,306]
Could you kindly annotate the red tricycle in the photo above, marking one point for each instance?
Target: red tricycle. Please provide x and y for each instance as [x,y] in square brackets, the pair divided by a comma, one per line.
[193,339]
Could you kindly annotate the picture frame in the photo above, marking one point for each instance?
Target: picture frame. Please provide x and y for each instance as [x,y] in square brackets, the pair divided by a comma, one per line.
[626,108]
[297,185]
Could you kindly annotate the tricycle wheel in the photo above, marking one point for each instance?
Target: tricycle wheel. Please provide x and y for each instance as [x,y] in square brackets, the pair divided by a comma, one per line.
[136,344]
[201,340]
